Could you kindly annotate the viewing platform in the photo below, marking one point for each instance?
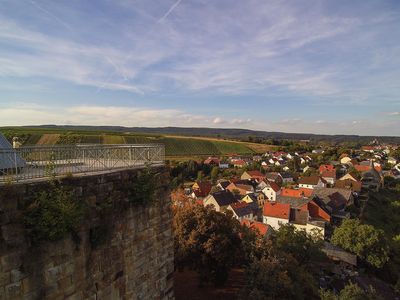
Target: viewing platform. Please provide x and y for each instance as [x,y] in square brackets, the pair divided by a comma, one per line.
[43,162]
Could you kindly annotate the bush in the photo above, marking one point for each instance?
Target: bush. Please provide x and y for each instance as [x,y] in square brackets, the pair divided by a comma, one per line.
[53,215]
[142,189]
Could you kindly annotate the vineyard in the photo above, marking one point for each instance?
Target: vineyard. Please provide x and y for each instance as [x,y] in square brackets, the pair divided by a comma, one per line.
[174,146]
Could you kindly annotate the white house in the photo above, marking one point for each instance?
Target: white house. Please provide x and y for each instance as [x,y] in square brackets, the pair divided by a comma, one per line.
[311,182]
[271,190]
[276,214]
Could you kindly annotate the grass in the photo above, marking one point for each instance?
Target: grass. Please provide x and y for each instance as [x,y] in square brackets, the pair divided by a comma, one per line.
[113,139]
[175,146]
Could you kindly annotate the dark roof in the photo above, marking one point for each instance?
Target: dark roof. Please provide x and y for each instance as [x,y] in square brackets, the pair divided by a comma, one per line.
[242,208]
[224,198]
[335,198]
[224,184]
[294,202]
[311,180]
[286,175]
[298,216]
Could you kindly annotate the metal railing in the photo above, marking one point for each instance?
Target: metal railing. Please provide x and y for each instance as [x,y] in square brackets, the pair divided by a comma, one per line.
[33,162]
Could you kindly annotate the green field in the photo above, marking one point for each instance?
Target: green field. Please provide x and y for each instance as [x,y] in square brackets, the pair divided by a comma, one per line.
[174,146]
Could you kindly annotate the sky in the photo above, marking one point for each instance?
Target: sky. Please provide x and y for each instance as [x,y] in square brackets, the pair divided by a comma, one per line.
[312,66]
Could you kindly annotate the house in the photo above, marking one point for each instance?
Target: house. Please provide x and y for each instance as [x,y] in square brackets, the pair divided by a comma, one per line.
[345,160]
[271,190]
[392,161]
[297,193]
[333,200]
[329,176]
[353,185]
[222,185]
[260,228]
[220,200]
[311,182]
[212,161]
[300,219]
[239,163]
[324,168]
[243,210]
[318,151]
[201,189]
[223,165]
[240,188]
[305,214]
[350,176]
[287,177]
[366,167]
[371,179]
[369,149]
[274,177]
[256,175]
[276,214]
[257,197]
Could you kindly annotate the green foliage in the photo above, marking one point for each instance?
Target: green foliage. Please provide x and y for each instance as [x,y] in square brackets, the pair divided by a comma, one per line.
[142,189]
[278,277]
[367,242]
[69,138]
[304,247]
[350,292]
[206,241]
[54,214]
[214,173]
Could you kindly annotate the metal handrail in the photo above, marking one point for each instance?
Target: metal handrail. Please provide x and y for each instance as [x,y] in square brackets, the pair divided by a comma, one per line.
[33,162]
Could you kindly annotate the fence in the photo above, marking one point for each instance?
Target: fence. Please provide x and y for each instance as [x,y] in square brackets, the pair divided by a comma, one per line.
[33,162]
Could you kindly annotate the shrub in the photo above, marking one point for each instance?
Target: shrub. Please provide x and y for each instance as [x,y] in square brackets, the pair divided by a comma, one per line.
[142,189]
[54,214]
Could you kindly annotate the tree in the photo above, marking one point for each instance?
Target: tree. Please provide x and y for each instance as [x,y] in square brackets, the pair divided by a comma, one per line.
[206,241]
[350,292]
[303,246]
[200,176]
[214,174]
[367,242]
[278,277]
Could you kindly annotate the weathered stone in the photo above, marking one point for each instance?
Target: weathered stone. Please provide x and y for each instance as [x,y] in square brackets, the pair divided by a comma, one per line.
[13,290]
[132,263]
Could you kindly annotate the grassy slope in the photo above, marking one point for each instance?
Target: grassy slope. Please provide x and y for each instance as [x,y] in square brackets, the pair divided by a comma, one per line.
[174,145]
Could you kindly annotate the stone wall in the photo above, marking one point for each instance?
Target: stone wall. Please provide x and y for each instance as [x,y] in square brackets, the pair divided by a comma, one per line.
[134,262]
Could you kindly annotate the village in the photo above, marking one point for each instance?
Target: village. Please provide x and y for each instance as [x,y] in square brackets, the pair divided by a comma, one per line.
[304,189]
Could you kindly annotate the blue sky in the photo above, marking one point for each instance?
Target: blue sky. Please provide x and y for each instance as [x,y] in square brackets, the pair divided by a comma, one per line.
[320,66]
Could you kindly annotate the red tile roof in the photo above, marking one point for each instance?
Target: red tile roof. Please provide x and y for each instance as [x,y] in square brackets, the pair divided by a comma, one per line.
[296,193]
[276,210]
[323,168]
[329,174]
[361,168]
[204,188]
[258,227]
[317,212]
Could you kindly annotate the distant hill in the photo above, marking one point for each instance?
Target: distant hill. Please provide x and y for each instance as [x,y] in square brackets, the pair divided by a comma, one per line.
[231,133]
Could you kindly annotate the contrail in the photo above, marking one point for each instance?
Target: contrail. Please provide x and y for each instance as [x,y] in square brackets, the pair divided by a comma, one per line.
[51,15]
[169,11]
[117,68]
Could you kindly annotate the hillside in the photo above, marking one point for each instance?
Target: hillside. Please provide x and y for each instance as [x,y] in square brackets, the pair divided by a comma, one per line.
[231,133]
[174,145]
